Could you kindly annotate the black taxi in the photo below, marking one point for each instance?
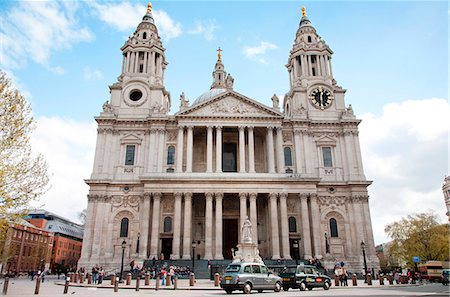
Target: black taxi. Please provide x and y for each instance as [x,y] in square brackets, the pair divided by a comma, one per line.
[304,277]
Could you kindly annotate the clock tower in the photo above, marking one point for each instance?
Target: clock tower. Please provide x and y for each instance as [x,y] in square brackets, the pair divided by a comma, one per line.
[313,91]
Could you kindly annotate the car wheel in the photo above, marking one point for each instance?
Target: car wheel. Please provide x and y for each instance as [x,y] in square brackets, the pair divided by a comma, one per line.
[277,287]
[229,291]
[247,288]
[326,285]
[302,287]
[286,289]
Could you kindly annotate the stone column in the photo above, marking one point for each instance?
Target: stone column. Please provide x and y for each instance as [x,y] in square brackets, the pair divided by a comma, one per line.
[177,227]
[306,236]
[349,145]
[358,225]
[145,62]
[161,149]
[189,148]
[218,253]
[358,155]
[180,149]
[251,150]
[241,149]
[145,226]
[208,226]
[155,226]
[88,235]
[136,62]
[308,58]
[308,155]
[218,149]
[298,145]
[270,156]
[274,225]
[151,65]
[279,149]
[284,227]
[368,224]
[152,150]
[315,215]
[254,216]
[329,64]
[242,211]
[127,67]
[187,226]
[209,149]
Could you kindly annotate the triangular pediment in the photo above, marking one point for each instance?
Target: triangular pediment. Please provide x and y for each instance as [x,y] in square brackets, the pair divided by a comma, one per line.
[230,104]
[131,138]
[326,140]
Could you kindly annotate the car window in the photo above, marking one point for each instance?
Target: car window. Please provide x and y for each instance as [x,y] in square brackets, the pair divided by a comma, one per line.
[233,268]
[256,268]
[314,271]
[264,270]
[289,269]
[248,269]
[308,270]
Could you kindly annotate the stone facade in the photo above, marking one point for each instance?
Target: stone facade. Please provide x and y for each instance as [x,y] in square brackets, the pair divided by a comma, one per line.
[161,182]
[446,190]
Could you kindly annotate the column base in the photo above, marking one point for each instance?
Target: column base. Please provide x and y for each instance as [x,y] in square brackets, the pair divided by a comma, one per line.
[220,257]
[186,257]
[276,257]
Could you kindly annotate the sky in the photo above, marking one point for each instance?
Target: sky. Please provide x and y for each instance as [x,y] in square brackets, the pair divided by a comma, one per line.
[392,57]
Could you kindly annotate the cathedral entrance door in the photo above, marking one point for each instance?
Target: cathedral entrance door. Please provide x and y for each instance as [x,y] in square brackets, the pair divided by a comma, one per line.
[166,247]
[229,160]
[230,237]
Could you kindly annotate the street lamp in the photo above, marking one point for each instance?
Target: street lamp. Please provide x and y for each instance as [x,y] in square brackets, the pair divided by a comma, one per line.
[194,245]
[295,246]
[363,248]
[124,246]
[137,245]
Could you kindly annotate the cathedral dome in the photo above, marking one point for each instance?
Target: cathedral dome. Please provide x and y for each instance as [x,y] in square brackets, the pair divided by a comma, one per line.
[208,95]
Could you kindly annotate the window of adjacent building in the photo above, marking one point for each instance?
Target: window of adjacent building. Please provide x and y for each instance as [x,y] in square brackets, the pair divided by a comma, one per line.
[333,228]
[171,155]
[129,155]
[124,227]
[287,156]
[167,224]
[327,160]
[292,222]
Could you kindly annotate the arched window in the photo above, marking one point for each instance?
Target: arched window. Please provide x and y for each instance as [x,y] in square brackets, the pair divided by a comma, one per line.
[309,39]
[167,224]
[124,227]
[171,155]
[333,228]
[144,36]
[292,224]
[287,156]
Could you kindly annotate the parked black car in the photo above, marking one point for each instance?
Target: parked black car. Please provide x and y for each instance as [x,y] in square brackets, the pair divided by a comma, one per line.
[304,277]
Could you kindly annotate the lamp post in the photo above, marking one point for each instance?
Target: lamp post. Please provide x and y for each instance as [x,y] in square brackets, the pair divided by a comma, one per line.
[137,245]
[194,245]
[295,246]
[363,248]
[124,246]
[327,244]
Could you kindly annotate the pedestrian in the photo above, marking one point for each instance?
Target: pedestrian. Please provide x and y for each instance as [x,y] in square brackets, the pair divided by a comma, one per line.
[94,274]
[344,277]
[172,274]
[163,276]
[101,274]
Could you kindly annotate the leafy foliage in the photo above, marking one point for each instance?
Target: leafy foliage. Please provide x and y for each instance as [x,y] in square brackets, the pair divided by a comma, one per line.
[23,175]
[418,235]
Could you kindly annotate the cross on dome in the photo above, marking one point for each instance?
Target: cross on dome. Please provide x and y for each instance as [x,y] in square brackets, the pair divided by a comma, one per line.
[219,55]
[149,7]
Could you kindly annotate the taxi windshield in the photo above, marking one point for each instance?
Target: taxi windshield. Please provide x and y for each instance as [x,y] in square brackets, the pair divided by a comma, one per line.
[233,268]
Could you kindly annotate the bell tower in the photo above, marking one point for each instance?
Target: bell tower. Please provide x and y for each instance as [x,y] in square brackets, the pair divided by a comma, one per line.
[140,90]
[313,90]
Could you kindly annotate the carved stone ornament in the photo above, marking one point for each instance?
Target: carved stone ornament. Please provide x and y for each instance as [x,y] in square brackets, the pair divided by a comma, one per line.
[332,200]
[171,136]
[99,198]
[125,202]
[287,136]
[229,107]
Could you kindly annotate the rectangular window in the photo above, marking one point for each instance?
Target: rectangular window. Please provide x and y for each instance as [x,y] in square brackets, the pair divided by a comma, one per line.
[327,160]
[129,156]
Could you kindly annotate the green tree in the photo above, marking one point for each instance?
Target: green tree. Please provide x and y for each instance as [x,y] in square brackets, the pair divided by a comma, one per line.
[418,235]
[23,175]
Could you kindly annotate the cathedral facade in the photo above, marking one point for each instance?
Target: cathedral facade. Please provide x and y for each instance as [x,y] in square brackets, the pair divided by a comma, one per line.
[161,182]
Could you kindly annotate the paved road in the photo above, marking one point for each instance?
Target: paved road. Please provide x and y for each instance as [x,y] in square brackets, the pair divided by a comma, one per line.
[24,287]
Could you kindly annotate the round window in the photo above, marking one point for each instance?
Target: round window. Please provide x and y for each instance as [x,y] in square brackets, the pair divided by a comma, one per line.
[135,95]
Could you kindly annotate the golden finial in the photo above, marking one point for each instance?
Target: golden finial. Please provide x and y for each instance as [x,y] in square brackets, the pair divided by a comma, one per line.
[149,7]
[303,11]
[219,55]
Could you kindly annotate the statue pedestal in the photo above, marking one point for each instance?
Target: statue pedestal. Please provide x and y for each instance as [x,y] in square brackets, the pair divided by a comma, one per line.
[247,251]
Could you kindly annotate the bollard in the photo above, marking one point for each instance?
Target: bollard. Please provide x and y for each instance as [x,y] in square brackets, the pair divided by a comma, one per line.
[89,278]
[157,283]
[128,279]
[75,277]
[38,285]
[113,279]
[81,278]
[66,285]
[391,279]
[369,279]
[175,282]
[336,280]
[381,278]
[138,280]
[354,280]
[5,285]
[168,280]
[216,279]
[147,279]
[191,279]
[116,284]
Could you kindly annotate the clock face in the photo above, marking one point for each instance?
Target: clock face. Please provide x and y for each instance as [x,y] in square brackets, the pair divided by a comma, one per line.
[321,97]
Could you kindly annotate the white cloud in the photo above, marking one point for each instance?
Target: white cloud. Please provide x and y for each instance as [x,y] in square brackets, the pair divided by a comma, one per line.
[125,17]
[92,74]
[257,53]
[68,147]
[405,153]
[205,28]
[33,30]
